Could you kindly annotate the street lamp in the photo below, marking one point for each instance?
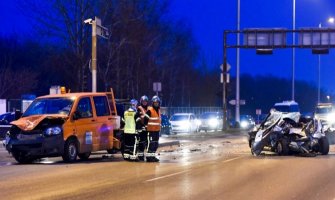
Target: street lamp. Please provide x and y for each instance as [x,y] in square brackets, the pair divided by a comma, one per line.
[330,20]
[293,51]
[97,30]
[237,105]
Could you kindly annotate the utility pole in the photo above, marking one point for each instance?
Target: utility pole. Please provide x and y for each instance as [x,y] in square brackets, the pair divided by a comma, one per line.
[293,52]
[237,108]
[97,30]
[94,56]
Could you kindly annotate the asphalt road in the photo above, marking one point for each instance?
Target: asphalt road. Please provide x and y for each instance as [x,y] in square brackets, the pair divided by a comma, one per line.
[202,167]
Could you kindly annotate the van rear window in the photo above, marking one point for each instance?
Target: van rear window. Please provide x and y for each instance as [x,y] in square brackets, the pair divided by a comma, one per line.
[287,108]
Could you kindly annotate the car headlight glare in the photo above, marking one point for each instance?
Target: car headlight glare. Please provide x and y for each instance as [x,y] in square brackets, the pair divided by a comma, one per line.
[331,117]
[244,124]
[53,131]
[213,122]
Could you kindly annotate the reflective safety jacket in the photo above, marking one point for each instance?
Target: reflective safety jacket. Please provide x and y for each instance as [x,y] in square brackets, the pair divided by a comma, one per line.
[129,120]
[154,123]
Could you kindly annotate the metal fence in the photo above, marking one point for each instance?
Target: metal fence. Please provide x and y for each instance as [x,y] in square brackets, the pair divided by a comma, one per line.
[14,104]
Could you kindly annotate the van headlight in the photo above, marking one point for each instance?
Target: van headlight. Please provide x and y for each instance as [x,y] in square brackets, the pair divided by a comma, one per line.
[53,131]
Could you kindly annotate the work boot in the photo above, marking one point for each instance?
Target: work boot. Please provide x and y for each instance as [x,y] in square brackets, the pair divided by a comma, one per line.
[141,158]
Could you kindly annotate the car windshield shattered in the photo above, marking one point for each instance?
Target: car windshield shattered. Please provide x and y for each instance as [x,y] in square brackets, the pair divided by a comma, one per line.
[49,106]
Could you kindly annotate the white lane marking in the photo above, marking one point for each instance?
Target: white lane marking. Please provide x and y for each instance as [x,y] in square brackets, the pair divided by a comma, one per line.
[166,176]
[232,159]
[169,175]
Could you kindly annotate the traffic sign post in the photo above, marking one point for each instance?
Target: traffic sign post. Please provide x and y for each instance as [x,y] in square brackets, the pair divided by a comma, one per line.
[157,87]
[258,113]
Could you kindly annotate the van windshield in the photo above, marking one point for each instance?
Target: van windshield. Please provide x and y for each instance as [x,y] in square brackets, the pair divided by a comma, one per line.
[49,106]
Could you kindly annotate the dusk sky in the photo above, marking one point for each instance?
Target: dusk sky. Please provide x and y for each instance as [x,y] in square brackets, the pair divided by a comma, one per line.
[209,18]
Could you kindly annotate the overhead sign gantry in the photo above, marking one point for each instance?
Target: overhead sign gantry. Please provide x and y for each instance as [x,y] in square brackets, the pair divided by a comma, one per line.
[264,41]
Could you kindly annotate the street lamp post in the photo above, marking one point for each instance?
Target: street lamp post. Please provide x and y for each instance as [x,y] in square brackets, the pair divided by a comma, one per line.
[237,108]
[330,20]
[319,72]
[293,51]
[97,30]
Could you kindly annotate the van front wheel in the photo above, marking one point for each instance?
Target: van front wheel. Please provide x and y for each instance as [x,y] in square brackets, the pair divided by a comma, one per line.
[70,151]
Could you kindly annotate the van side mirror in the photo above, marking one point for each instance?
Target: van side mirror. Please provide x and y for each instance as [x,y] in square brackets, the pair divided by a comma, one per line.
[76,115]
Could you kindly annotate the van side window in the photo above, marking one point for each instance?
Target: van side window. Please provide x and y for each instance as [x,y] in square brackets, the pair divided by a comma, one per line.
[84,108]
[101,106]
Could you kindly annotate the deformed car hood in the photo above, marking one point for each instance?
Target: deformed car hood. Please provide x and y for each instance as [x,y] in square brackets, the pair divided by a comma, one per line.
[30,122]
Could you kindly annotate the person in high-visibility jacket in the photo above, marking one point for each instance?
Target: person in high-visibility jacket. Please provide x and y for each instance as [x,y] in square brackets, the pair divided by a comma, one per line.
[140,126]
[130,133]
[153,122]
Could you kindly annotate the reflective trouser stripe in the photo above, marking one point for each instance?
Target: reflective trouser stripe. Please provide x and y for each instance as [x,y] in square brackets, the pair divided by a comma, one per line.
[148,142]
[134,151]
[150,154]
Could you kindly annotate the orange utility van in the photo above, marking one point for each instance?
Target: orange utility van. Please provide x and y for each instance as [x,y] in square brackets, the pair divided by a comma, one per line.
[70,125]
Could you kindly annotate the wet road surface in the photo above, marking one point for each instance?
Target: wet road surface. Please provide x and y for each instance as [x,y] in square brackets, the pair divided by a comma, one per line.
[202,167]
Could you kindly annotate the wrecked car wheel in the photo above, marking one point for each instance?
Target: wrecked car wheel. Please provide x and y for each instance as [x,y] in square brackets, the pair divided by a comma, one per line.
[324,145]
[282,147]
[84,156]
[253,151]
[21,158]
[70,151]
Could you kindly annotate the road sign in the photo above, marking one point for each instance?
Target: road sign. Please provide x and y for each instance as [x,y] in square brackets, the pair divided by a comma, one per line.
[258,111]
[228,67]
[233,102]
[157,86]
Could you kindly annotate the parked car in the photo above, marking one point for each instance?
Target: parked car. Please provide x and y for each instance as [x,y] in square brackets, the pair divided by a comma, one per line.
[211,121]
[5,120]
[165,125]
[183,123]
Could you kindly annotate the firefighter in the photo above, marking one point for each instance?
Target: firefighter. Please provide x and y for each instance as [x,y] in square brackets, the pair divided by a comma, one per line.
[130,133]
[140,126]
[153,123]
